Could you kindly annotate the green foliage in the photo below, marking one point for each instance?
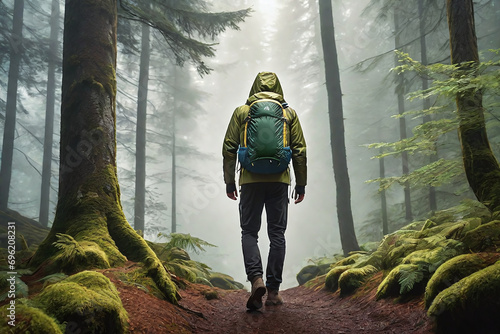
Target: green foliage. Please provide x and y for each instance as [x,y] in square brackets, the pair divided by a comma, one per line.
[21,289]
[390,286]
[408,276]
[74,256]
[438,173]
[453,80]
[484,238]
[70,248]
[87,300]
[448,81]
[29,320]
[353,278]
[185,241]
[175,258]
[454,270]
[179,22]
[471,302]
[332,278]
[224,281]
[51,279]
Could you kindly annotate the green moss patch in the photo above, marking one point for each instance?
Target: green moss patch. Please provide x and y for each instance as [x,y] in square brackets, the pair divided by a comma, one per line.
[353,278]
[332,278]
[86,301]
[485,238]
[454,270]
[391,285]
[470,304]
[28,320]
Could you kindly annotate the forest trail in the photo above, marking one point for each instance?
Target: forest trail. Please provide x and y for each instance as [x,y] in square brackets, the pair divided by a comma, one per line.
[305,310]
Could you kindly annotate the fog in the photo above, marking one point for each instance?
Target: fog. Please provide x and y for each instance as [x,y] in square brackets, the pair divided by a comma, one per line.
[282,37]
[312,225]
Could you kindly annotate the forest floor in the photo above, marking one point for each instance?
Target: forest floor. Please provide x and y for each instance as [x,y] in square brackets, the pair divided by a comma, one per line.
[305,310]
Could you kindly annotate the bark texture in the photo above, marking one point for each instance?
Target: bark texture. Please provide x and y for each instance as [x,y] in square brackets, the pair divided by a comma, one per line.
[89,216]
[16,49]
[337,137]
[49,114]
[481,166]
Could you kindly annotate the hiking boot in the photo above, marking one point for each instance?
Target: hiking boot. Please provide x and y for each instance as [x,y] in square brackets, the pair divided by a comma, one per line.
[273,298]
[258,290]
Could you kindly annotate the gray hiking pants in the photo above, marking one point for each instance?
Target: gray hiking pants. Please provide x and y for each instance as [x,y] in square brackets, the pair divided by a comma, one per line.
[253,198]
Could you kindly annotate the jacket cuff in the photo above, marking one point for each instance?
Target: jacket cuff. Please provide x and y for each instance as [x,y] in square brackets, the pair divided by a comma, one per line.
[300,190]
[230,188]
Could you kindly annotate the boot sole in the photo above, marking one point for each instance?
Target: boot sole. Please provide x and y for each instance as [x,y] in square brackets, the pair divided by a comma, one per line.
[271,303]
[255,300]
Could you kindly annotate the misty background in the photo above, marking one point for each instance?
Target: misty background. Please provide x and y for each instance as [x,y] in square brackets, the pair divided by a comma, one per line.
[282,37]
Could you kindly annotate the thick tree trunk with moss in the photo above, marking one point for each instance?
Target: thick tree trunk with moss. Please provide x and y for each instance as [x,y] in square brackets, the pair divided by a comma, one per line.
[337,138]
[90,229]
[481,166]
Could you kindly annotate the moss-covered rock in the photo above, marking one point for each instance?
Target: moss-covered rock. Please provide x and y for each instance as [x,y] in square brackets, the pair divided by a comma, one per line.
[485,238]
[353,278]
[351,259]
[28,320]
[307,273]
[225,282]
[312,271]
[414,226]
[86,301]
[332,278]
[397,254]
[433,258]
[471,304]
[454,270]
[433,230]
[391,286]
[33,233]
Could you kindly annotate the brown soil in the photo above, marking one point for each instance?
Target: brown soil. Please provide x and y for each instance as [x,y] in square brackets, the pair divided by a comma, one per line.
[306,310]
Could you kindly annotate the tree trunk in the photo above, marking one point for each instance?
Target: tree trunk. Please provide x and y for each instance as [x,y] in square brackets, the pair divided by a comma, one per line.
[383,200]
[425,85]
[337,139]
[481,166]
[49,114]
[16,50]
[140,144]
[174,171]
[402,122]
[89,211]
[174,180]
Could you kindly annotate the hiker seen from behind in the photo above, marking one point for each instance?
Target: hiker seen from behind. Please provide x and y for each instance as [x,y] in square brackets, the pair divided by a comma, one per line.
[264,135]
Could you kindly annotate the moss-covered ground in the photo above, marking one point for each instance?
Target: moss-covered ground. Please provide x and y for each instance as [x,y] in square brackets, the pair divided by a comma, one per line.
[449,260]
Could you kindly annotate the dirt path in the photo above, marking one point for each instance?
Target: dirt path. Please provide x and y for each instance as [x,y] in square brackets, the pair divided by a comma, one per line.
[305,311]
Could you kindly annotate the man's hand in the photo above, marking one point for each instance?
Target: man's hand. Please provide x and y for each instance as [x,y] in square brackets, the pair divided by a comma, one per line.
[299,198]
[231,191]
[233,195]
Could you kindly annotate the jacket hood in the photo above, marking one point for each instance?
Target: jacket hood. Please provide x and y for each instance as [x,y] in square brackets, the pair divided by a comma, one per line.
[266,82]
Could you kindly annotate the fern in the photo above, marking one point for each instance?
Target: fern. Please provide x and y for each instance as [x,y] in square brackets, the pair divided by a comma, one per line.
[51,279]
[185,241]
[409,277]
[70,248]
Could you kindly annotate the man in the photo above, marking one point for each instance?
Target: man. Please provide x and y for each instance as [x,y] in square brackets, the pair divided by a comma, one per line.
[259,190]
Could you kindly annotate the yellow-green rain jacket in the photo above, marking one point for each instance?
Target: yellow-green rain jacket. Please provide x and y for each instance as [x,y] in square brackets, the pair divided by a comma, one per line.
[265,86]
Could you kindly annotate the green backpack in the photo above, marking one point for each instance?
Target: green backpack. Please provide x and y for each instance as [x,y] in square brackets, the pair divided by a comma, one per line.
[265,149]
